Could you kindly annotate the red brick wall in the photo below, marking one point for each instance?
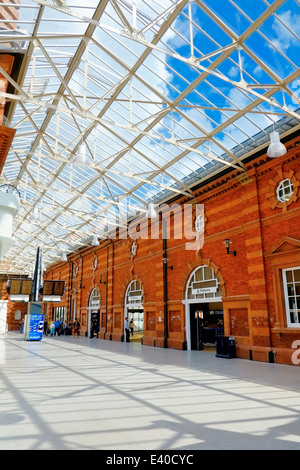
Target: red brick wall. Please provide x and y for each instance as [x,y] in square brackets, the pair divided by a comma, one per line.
[12,307]
[239,207]
[9,13]
[236,207]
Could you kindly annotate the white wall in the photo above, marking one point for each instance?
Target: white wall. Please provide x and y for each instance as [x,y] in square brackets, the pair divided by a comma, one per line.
[3,315]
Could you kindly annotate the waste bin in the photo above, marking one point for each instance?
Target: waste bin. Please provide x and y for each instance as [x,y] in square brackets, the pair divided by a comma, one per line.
[226,347]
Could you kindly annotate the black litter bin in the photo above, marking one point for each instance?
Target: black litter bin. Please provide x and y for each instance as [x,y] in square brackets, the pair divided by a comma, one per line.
[226,347]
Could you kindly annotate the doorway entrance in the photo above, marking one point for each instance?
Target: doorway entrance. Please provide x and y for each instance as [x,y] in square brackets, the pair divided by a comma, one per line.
[94,313]
[206,323]
[203,309]
[134,310]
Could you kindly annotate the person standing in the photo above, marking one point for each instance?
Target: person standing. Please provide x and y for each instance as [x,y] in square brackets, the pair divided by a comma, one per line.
[76,328]
[57,326]
[52,329]
[127,331]
[131,325]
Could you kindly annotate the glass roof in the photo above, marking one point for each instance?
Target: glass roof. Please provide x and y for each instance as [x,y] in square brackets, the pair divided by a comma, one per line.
[162,94]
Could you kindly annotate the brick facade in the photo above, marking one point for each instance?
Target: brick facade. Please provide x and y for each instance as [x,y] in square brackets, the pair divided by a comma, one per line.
[265,235]
[9,14]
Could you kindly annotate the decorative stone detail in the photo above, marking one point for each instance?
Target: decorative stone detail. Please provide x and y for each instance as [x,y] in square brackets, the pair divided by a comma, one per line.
[273,187]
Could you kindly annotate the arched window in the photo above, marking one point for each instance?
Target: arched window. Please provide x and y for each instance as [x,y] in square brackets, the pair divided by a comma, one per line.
[95,300]
[203,284]
[134,309]
[134,294]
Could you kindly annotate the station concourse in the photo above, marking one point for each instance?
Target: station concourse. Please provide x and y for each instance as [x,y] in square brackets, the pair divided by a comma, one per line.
[66,393]
[149,224]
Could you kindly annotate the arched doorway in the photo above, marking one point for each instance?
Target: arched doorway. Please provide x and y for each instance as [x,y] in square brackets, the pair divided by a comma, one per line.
[134,309]
[204,316]
[94,313]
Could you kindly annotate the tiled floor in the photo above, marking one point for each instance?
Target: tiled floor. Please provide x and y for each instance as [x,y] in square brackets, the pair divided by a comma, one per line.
[81,393]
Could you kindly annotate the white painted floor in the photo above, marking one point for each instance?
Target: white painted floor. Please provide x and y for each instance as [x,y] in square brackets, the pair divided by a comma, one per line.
[67,393]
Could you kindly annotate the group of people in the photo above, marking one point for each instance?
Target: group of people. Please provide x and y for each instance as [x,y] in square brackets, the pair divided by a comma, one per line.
[56,327]
[60,328]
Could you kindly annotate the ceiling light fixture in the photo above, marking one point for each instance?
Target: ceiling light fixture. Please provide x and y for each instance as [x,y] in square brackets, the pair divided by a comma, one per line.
[35,215]
[95,241]
[60,3]
[80,158]
[64,257]
[151,213]
[276,148]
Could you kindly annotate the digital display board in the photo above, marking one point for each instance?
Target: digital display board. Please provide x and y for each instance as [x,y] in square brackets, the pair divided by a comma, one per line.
[53,288]
[48,288]
[59,287]
[15,287]
[26,287]
[20,286]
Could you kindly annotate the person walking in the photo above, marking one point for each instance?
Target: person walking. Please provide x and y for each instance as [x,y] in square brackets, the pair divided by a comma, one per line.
[52,329]
[127,331]
[131,325]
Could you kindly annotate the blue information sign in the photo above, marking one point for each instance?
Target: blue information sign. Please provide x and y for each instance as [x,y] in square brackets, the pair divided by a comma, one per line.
[36,327]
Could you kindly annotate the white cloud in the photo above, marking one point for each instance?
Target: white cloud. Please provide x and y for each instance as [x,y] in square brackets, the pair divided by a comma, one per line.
[285,38]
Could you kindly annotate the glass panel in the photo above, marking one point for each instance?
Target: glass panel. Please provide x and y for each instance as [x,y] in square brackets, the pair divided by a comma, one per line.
[292,293]
[208,273]
[297,275]
[134,290]
[291,290]
[155,116]
[203,284]
[285,190]
[199,275]
[204,278]
[219,291]
[294,316]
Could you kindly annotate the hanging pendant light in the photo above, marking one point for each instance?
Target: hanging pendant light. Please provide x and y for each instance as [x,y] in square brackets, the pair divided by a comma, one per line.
[151,213]
[35,215]
[95,241]
[276,148]
[60,3]
[80,158]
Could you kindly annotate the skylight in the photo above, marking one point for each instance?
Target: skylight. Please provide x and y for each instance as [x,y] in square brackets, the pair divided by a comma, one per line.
[162,94]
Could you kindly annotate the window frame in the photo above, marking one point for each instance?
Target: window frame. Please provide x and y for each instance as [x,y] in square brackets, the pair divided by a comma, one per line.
[282,188]
[287,297]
